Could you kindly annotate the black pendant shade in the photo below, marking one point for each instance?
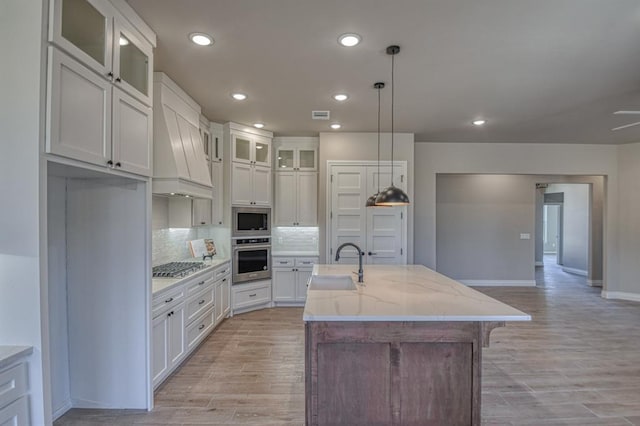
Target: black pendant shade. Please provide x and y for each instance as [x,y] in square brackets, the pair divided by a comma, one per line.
[391,196]
[371,201]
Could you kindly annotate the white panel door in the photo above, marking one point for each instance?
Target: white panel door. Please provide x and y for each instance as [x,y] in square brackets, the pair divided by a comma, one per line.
[176,334]
[284,285]
[160,348]
[384,235]
[348,211]
[241,189]
[261,186]
[383,173]
[78,111]
[132,132]
[286,194]
[307,203]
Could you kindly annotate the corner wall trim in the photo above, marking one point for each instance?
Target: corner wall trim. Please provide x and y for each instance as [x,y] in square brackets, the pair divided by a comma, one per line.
[594,283]
[499,283]
[621,295]
[575,271]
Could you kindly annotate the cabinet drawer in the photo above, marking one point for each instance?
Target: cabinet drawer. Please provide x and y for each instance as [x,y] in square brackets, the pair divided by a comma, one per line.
[222,271]
[199,303]
[164,302]
[16,413]
[199,284]
[200,328]
[13,384]
[279,262]
[253,296]
[306,261]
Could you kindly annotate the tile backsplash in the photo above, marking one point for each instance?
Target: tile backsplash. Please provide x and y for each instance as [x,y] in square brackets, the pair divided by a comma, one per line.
[295,238]
[170,244]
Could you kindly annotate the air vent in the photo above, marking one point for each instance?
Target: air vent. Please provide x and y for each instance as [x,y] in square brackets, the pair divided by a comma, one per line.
[320,115]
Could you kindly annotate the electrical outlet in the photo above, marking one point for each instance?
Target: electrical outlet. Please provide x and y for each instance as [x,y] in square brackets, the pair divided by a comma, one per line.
[525,236]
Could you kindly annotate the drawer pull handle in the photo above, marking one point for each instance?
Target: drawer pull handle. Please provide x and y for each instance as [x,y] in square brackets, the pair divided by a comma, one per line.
[201,327]
[169,300]
[283,262]
[201,302]
[170,313]
[253,295]
[224,279]
[201,282]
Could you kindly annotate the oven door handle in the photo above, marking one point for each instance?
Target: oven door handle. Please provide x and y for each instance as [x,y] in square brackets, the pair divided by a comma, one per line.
[251,247]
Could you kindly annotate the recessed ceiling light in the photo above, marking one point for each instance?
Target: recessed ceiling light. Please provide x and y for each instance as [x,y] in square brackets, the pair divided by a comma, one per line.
[259,125]
[201,39]
[341,97]
[239,96]
[349,39]
[479,122]
[123,41]
[335,126]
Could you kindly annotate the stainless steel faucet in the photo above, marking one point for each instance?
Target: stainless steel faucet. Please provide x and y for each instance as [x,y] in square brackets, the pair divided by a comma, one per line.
[360,253]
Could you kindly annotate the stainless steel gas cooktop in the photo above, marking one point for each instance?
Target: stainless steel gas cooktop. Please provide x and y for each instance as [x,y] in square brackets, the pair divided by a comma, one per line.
[176,269]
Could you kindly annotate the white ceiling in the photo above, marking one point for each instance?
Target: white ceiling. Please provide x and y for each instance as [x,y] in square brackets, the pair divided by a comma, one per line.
[536,70]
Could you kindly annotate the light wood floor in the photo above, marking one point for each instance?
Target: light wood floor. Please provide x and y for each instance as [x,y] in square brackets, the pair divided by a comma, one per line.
[576,363]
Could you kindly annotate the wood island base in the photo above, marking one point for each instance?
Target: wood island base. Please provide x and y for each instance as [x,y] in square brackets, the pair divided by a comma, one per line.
[394,373]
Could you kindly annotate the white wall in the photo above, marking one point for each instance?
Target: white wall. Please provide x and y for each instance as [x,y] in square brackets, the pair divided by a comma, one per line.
[363,146]
[629,224]
[21,95]
[496,158]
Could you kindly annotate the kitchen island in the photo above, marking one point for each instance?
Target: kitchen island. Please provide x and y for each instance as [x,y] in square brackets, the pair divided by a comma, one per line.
[402,348]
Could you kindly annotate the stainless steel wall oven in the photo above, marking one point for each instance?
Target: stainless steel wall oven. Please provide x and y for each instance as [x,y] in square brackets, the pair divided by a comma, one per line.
[251,259]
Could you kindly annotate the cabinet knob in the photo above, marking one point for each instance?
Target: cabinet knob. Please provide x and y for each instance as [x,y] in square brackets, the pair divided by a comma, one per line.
[201,302]
[118,164]
[109,163]
[110,74]
[118,79]
[201,223]
[372,254]
[201,327]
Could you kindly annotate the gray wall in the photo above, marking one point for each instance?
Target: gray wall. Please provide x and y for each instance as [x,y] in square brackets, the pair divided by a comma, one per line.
[363,146]
[479,219]
[629,223]
[575,225]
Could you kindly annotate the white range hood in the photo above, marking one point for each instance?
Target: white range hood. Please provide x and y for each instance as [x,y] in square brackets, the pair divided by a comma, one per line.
[179,161]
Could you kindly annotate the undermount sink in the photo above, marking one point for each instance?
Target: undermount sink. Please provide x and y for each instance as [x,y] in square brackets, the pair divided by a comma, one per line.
[331,282]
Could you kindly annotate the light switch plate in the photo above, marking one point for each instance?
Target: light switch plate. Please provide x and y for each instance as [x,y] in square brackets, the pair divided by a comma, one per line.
[525,236]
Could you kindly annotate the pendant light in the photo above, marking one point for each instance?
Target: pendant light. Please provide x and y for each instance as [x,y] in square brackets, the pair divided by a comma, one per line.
[371,201]
[392,196]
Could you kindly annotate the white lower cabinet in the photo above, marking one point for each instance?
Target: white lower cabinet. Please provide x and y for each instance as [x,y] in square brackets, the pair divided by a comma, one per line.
[290,277]
[185,315]
[14,403]
[251,296]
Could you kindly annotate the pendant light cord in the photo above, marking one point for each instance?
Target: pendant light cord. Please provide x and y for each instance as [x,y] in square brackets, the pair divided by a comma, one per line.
[393,86]
[379,139]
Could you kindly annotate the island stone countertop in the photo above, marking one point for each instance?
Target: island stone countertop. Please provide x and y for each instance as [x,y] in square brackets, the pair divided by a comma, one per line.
[403,293]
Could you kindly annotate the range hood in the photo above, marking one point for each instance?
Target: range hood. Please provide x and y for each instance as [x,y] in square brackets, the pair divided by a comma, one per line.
[179,161]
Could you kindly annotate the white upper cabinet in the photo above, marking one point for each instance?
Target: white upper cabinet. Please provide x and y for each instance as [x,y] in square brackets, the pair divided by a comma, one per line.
[296,158]
[251,149]
[93,32]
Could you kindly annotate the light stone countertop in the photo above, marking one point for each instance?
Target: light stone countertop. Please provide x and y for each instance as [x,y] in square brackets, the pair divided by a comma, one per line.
[403,293]
[11,354]
[290,253]
[161,284]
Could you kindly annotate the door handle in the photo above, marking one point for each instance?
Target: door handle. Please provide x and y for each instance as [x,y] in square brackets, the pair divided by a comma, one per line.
[372,254]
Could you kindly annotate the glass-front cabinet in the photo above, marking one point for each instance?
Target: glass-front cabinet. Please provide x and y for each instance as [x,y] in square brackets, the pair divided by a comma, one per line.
[251,149]
[290,158]
[92,32]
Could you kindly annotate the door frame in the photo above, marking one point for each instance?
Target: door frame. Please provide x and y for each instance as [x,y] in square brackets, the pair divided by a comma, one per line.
[560,230]
[328,194]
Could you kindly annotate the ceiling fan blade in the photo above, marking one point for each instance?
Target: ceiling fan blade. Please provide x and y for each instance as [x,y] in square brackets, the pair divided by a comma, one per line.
[626,125]
[626,112]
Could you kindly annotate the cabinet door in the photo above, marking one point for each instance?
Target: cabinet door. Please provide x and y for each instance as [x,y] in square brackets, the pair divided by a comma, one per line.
[307,159]
[201,212]
[176,334]
[286,195]
[160,347]
[261,186]
[84,28]
[241,147]
[217,180]
[302,277]
[262,152]
[78,111]
[284,285]
[132,132]
[241,191]
[226,296]
[307,202]
[16,413]
[219,310]
[131,62]
[285,159]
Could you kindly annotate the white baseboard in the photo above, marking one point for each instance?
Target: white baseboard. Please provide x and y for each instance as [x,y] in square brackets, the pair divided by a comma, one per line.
[539,263]
[594,283]
[499,283]
[575,271]
[621,295]
[58,412]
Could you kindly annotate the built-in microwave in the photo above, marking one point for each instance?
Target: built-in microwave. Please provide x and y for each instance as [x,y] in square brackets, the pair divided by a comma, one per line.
[251,222]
